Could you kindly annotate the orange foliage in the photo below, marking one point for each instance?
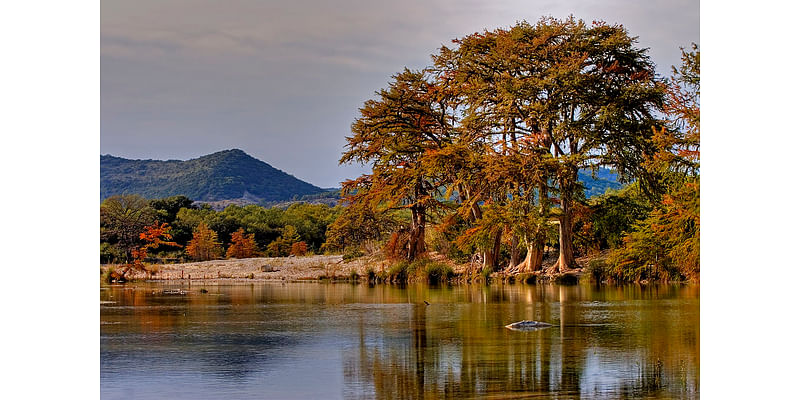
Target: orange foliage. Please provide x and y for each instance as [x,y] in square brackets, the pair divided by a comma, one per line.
[299,249]
[242,245]
[204,244]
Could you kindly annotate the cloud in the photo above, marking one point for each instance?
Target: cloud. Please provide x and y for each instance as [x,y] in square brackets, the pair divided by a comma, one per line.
[283,80]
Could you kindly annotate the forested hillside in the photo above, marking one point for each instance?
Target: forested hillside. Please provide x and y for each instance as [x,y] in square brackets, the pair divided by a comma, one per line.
[225,175]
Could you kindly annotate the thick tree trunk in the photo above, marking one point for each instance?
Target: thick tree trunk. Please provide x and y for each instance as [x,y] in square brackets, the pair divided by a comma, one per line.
[416,241]
[566,257]
[514,251]
[533,260]
[491,254]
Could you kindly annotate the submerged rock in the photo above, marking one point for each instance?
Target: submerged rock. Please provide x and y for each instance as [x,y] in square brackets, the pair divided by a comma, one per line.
[528,325]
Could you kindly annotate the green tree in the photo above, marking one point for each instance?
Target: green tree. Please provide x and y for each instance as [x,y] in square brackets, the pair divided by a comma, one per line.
[167,208]
[122,219]
[358,224]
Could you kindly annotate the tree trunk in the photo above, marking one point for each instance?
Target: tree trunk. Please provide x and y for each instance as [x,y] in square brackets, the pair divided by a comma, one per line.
[416,241]
[566,257]
[490,259]
[533,260]
[514,251]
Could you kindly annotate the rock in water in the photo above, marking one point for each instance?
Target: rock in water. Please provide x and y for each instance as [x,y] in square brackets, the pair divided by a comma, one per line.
[528,325]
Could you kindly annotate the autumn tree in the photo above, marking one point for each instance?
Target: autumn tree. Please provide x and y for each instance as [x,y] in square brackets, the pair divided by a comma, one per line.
[392,135]
[299,249]
[576,96]
[242,245]
[154,236]
[204,244]
[669,238]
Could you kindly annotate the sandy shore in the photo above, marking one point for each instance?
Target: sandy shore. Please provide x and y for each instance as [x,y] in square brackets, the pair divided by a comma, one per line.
[262,268]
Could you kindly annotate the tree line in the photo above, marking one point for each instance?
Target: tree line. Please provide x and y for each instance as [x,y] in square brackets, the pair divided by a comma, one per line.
[201,233]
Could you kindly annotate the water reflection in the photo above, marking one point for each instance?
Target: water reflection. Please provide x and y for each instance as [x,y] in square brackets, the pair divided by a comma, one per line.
[356,341]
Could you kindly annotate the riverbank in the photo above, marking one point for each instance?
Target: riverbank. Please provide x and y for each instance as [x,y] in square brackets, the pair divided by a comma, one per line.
[321,267]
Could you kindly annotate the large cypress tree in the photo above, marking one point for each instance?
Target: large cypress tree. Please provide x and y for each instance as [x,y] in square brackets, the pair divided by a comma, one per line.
[575,96]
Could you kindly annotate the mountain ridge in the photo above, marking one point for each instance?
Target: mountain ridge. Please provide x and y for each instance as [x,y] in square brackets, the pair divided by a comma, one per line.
[221,176]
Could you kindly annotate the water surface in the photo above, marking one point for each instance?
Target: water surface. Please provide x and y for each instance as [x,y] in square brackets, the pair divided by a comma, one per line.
[312,340]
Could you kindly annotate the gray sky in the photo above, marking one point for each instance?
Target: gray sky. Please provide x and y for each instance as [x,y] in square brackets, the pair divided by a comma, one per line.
[283,80]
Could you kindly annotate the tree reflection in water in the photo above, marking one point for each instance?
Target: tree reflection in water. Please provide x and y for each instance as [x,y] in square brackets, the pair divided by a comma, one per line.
[607,342]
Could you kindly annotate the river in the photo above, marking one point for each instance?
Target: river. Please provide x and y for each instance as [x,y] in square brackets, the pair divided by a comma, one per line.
[317,341]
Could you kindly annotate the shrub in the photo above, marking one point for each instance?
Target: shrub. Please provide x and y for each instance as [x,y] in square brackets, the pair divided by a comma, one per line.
[105,275]
[598,270]
[486,273]
[371,276]
[399,272]
[354,277]
[351,253]
[438,272]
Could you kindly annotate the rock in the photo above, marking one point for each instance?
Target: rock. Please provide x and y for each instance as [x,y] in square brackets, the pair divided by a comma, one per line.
[269,268]
[528,325]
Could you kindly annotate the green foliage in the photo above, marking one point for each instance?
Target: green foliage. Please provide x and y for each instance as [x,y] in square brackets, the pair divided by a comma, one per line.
[438,272]
[598,270]
[609,217]
[225,175]
[354,276]
[371,275]
[485,274]
[399,272]
[122,219]
[106,275]
[666,245]
[110,254]
[358,224]
[351,253]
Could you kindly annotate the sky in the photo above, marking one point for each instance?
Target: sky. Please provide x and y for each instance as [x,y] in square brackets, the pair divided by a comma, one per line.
[283,80]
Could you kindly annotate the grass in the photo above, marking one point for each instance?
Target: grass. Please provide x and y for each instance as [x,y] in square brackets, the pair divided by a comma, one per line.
[438,272]
[485,274]
[105,274]
[399,272]
[354,276]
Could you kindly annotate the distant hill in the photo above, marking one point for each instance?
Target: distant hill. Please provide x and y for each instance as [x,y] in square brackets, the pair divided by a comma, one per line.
[606,179]
[225,176]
